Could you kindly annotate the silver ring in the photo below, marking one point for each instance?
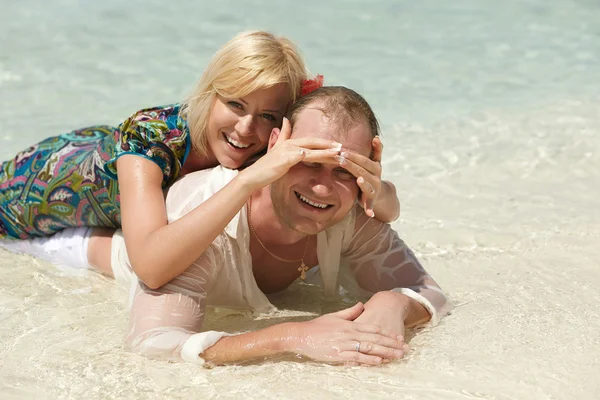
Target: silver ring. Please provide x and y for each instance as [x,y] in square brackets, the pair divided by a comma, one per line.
[358,347]
[301,152]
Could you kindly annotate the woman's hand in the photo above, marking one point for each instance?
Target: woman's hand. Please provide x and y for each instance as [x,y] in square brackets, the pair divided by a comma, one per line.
[337,338]
[367,172]
[286,153]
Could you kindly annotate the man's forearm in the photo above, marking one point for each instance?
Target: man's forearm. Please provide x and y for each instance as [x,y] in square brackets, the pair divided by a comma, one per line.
[400,305]
[251,345]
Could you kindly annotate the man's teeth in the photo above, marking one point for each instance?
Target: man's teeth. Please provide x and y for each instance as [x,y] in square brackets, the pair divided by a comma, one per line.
[312,203]
[235,143]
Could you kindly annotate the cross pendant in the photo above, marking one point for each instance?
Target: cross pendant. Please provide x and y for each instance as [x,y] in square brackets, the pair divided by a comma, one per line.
[303,268]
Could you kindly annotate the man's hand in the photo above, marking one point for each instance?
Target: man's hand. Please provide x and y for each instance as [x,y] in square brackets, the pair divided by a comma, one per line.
[358,335]
[388,310]
[339,338]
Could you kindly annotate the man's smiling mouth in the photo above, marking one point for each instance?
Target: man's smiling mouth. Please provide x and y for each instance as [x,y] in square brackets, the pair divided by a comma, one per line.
[306,200]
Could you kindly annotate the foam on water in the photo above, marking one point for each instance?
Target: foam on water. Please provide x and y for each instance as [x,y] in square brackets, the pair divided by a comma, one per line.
[490,119]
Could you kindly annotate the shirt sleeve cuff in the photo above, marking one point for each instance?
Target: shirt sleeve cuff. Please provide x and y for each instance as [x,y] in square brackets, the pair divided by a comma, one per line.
[435,319]
[198,343]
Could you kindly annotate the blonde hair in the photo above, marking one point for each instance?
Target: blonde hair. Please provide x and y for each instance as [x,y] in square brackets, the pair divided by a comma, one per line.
[250,61]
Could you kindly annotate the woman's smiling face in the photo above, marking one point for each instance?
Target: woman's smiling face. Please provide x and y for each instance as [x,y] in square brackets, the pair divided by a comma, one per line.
[239,128]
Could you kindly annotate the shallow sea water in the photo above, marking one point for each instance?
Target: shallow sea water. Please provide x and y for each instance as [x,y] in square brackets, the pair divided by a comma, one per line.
[490,116]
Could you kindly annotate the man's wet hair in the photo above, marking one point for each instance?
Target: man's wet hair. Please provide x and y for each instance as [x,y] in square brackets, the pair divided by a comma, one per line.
[341,105]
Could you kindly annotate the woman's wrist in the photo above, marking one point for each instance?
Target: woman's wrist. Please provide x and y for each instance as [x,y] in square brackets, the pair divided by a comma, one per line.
[245,183]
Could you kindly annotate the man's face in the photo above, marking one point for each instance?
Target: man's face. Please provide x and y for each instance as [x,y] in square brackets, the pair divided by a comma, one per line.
[312,197]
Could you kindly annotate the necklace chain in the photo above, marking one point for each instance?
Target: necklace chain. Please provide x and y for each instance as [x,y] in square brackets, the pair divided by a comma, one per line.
[303,267]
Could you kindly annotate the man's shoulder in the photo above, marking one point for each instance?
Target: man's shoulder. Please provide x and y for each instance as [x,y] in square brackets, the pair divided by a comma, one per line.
[357,225]
[205,179]
[196,187]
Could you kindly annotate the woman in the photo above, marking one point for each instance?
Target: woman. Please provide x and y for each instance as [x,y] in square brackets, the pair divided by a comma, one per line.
[115,177]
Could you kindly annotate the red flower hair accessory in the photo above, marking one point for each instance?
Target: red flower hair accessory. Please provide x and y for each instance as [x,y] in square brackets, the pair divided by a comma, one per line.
[310,85]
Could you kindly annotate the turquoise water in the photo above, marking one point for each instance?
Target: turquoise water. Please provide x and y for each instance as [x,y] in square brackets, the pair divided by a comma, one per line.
[490,115]
[66,64]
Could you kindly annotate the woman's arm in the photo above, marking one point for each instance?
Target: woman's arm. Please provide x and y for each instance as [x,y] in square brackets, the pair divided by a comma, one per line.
[158,250]
[387,207]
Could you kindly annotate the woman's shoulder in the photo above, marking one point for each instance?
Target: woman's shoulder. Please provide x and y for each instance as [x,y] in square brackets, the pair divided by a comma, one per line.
[157,123]
[158,113]
[156,133]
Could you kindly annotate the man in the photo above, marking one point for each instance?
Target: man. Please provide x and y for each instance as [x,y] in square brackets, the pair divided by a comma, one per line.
[308,215]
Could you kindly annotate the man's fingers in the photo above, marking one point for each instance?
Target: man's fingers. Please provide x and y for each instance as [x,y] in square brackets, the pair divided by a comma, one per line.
[381,351]
[376,329]
[360,358]
[380,340]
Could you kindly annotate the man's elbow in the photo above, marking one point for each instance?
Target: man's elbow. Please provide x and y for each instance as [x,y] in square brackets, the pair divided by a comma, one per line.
[139,346]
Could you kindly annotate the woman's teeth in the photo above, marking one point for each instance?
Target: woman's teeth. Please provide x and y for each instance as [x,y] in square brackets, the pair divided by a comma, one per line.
[312,203]
[237,144]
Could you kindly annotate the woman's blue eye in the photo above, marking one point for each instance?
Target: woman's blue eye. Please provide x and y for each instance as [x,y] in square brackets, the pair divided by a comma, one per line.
[235,104]
[269,117]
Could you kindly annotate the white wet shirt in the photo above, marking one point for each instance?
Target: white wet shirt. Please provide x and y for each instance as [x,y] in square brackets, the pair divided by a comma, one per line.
[361,254]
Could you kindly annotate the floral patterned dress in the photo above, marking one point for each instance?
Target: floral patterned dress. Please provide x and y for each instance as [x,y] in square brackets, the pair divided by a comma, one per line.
[70,180]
